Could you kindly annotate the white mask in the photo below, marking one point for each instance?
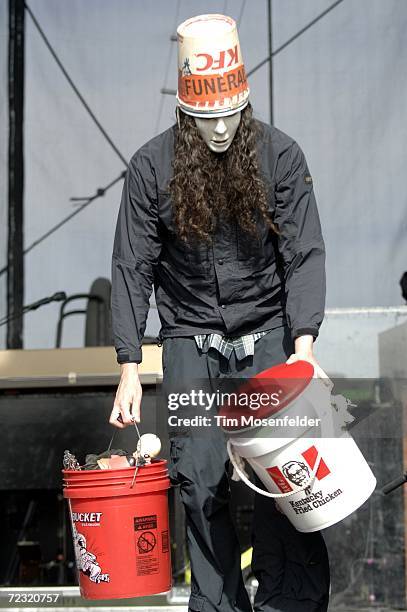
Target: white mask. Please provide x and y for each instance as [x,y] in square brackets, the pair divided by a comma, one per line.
[218,132]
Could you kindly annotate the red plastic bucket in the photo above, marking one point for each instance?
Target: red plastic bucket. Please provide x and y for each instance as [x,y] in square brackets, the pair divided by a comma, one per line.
[112,476]
[120,533]
[155,467]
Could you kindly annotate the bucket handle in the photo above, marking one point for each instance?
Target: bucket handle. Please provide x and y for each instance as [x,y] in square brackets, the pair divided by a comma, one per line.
[268,493]
[139,440]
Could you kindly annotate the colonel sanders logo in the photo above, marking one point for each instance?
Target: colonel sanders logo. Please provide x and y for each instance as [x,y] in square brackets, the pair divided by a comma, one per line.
[86,561]
[296,472]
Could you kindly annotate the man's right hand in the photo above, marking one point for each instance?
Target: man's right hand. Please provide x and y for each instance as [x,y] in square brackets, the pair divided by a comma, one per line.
[128,397]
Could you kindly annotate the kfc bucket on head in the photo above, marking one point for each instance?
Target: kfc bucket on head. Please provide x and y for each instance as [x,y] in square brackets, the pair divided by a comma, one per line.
[211,74]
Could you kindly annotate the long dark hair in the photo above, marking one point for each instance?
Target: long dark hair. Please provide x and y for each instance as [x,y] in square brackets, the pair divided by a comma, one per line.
[207,186]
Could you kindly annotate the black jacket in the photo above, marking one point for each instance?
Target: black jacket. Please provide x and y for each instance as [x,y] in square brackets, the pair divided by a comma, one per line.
[234,286]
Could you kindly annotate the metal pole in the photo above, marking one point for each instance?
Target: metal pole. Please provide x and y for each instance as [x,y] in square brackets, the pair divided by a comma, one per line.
[15,257]
[270,51]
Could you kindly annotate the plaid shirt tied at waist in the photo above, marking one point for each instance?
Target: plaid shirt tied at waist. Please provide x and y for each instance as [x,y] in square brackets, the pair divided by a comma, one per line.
[242,345]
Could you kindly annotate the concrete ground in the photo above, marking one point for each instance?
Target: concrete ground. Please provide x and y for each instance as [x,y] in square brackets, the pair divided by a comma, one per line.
[68,599]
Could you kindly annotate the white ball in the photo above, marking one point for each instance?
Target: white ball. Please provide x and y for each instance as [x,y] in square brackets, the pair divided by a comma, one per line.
[149,444]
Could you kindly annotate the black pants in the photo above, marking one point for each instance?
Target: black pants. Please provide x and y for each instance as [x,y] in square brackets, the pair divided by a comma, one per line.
[292,568]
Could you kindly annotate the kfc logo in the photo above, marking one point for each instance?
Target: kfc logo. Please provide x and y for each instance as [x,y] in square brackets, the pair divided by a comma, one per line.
[298,472]
[225,59]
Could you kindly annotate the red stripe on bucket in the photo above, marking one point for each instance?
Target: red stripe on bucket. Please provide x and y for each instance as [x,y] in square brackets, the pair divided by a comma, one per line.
[279,479]
[310,456]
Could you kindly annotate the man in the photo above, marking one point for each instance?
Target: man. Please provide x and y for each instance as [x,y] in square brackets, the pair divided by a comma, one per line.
[218,213]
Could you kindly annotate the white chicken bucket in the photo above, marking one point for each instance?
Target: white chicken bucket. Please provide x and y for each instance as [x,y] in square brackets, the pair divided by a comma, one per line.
[317,477]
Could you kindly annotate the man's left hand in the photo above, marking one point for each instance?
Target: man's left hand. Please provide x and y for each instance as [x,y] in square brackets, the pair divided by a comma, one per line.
[304,352]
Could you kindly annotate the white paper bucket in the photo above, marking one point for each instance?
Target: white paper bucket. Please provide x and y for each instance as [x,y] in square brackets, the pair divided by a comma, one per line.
[316,478]
[211,75]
